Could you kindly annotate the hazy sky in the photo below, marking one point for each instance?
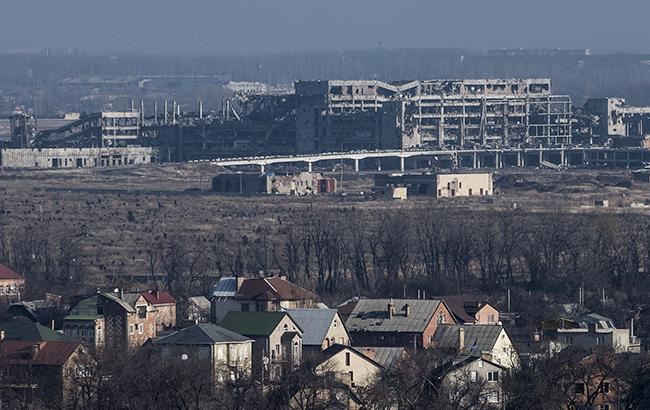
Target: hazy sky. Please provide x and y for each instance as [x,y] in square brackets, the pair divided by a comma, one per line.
[244,26]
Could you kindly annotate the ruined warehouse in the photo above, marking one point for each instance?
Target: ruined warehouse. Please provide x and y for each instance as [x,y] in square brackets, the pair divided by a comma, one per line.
[342,115]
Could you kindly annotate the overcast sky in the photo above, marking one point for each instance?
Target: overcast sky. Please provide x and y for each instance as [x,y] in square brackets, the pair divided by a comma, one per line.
[245,26]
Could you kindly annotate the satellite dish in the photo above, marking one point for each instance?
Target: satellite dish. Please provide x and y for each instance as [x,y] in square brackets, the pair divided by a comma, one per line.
[184,357]
[265,360]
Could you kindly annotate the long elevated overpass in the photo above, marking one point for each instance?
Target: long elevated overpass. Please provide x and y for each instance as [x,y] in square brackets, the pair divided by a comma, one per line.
[469,158]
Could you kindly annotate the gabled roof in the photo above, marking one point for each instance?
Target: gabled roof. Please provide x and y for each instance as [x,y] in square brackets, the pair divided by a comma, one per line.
[200,301]
[48,353]
[337,348]
[159,297]
[24,329]
[458,363]
[253,323]
[126,305]
[314,322]
[457,304]
[477,339]
[272,288]
[202,334]
[225,288]
[387,357]
[371,315]
[8,273]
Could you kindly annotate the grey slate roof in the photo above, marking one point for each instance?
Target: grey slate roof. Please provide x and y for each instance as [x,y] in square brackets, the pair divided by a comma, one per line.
[314,323]
[225,288]
[371,315]
[125,305]
[385,356]
[478,338]
[202,334]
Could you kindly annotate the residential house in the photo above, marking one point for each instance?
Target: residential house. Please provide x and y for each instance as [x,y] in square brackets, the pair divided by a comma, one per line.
[387,357]
[346,308]
[228,353]
[197,310]
[473,378]
[330,395]
[12,284]
[165,305]
[43,371]
[348,365]
[112,320]
[468,309]
[576,325]
[23,329]
[321,328]
[43,311]
[267,294]
[396,323]
[487,341]
[278,340]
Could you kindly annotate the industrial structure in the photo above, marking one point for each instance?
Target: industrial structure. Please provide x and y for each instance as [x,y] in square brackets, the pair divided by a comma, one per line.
[440,185]
[302,183]
[344,115]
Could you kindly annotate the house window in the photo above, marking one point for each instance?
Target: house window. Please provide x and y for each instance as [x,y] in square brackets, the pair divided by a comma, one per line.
[285,327]
[131,329]
[141,328]
[493,376]
[481,191]
[599,340]
[341,341]
[219,353]
[480,363]
[100,310]
[142,312]
[335,323]
[605,388]
[470,192]
[604,407]
[441,317]
[245,307]
[347,358]
[472,376]
[579,388]
[352,377]
[491,319]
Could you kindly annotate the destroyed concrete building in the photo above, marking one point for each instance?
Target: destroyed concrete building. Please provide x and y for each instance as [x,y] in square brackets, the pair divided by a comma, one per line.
[616,118]
[52,158]
[440,185]
[367,114]
[302,183]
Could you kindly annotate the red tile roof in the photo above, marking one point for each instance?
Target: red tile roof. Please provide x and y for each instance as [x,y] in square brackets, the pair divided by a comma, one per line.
[273,288]
[48,354]
[7,273]
[158,298]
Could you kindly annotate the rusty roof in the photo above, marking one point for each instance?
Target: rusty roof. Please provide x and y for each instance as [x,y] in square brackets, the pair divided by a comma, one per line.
[272,288]
[37,353]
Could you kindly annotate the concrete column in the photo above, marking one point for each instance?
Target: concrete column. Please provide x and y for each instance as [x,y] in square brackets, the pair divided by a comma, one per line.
[475,160]
[541,156]
[356,165]
[378,164]
[309,166]
[562,157]
[519,159]
[261,168]
[401,164]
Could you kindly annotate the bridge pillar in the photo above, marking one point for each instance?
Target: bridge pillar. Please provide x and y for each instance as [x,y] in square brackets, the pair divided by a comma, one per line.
[519,158]
[378,164]
[261,168]
[309,167]
[475,160]
[356,165]
[401,164]
[562,157]
[541,157]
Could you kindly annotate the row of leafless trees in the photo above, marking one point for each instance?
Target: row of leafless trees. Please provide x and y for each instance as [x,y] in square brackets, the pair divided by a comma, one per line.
[348,251]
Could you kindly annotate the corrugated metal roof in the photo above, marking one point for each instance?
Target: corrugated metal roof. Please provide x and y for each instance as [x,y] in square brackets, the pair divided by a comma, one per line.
[225,288]
[314,323]
[202,334]
[371,315]
[252,323]
[478,338]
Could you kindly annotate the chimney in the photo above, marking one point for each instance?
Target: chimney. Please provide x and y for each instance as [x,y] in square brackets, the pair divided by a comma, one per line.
[461,339]
[2,335]
[391,309]
[35,349]
[157,294]
[407,310]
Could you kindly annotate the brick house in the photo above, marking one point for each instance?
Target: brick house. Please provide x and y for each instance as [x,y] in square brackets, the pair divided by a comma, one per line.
[469,309]
[112,320]
[321,328]
[396,322]
[165,305]
[12,285]
[41,370]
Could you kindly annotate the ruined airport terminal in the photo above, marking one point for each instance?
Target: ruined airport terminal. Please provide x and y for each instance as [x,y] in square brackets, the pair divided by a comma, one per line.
[511,116]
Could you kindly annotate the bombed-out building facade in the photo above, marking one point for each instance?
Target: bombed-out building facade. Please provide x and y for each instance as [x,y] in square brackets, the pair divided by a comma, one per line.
[344,115]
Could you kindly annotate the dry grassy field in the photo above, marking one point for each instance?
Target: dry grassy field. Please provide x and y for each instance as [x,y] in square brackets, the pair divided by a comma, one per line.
[117,214]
